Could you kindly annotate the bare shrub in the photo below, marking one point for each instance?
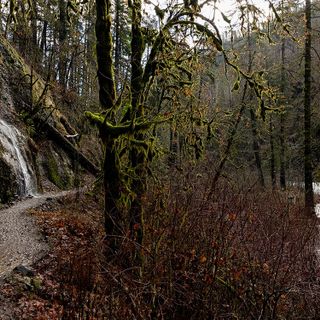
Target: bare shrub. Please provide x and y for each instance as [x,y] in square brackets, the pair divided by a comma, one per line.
[243,253]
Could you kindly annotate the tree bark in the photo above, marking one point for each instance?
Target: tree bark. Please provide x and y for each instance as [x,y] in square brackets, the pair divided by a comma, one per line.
[34,31]
[256,147]
[272,155]
[255,141]
[173,151]
[308,191]
[118,44]
[62,63]
[107,97]
[234,129]
[137,156]
[282,122]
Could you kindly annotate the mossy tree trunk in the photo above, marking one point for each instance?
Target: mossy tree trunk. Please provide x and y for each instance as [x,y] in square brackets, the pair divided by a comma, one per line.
[137,154]
[118,42]
[107,97]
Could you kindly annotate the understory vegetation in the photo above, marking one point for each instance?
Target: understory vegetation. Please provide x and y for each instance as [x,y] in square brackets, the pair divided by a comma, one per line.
[242,254]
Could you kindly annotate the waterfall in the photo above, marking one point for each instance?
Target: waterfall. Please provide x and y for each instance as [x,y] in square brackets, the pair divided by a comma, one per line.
[14,154]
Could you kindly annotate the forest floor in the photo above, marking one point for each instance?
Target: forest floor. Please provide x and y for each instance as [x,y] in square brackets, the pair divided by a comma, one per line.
[38,237]
[72,279]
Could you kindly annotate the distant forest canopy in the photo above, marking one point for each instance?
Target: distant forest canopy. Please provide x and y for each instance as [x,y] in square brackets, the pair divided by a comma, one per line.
[47,32]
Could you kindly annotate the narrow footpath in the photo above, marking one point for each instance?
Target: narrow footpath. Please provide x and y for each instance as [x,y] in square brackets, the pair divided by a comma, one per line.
[20,240]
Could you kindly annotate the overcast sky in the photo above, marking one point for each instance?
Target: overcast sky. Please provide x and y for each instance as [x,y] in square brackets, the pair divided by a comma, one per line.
[228,7]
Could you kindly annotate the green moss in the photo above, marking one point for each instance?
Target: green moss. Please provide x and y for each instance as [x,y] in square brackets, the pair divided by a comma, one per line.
[53,173]
[36,283]
[122,128]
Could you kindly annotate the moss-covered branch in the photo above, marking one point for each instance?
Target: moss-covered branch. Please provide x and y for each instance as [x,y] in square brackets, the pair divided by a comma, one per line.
[159,44]
[123,128]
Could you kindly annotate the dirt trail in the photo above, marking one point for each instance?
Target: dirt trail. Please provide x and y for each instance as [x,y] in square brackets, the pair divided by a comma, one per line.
[20,240]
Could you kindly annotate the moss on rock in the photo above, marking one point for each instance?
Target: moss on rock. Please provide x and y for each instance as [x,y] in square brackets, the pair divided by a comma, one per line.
[56,168]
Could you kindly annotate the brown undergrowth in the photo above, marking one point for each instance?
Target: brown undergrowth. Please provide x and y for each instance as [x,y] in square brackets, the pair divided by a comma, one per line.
[242,254]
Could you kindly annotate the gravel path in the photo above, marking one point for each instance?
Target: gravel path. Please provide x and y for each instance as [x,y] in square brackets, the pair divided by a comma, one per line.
[20,240]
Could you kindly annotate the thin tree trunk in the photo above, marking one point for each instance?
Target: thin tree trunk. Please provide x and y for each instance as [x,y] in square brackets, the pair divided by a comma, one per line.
[272,155]
[255,142]
[34,30]
[173,146]
[256,147]
[309,199]
[62,63]
[43,42]
[282,154]
[232,135]
[234,129]
[118,44]
[282,122]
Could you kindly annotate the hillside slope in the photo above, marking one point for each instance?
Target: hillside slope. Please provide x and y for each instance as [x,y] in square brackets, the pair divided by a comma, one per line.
[45,134]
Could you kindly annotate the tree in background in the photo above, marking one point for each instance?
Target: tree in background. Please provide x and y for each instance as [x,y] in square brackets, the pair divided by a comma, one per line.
[309,200]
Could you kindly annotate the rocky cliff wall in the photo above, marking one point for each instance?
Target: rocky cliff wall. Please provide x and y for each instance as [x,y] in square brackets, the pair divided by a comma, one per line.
[29,109]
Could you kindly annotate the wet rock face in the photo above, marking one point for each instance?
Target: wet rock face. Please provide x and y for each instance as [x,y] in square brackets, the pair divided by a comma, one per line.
[29,167]
[56,166]
[8,183]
